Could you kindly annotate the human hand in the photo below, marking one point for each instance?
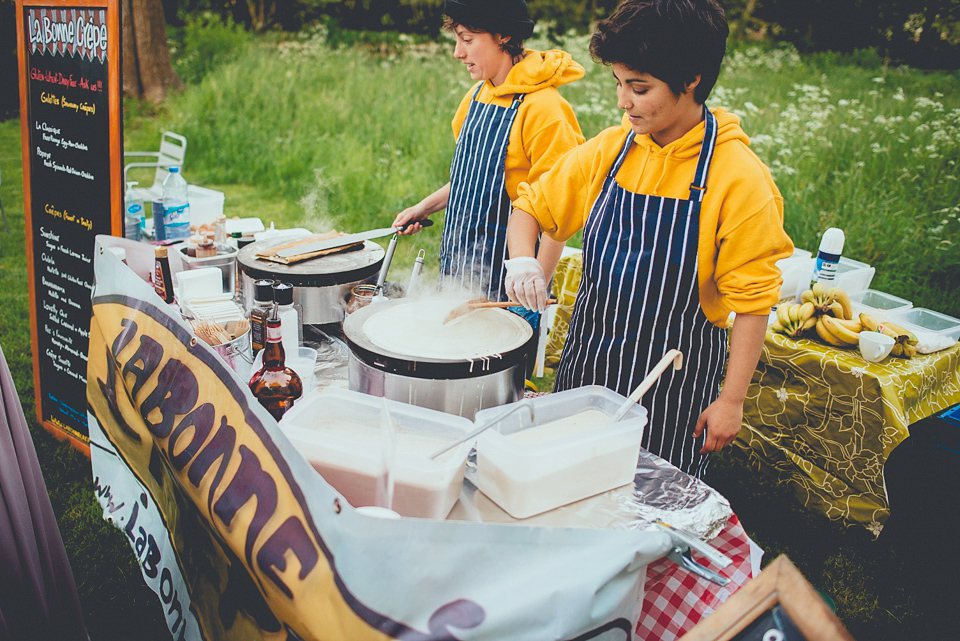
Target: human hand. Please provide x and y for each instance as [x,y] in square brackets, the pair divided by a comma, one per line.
[722,420]
[525,282]
[412,217]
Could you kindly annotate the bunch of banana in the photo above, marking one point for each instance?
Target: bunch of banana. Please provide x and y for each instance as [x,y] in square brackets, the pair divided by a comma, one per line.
[833,301]
[839,332]
[906,345]
[794,318]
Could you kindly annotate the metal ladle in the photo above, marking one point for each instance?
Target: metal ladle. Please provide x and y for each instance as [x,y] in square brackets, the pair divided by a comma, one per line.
[526,402]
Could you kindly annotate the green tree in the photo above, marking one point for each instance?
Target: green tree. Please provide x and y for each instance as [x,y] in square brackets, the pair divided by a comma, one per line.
[922,33]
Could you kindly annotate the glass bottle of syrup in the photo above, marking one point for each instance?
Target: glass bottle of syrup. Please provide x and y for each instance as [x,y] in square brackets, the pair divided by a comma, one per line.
[162,282]
[275,385]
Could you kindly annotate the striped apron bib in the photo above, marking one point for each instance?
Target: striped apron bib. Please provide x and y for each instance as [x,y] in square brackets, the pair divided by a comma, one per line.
[474,242]
[638,298]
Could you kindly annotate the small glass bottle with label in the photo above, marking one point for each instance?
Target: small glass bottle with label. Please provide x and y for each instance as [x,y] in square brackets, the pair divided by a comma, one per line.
[275,385]
[261,310]
[162,282]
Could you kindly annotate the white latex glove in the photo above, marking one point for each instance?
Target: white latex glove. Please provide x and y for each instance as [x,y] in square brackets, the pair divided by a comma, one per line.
[525,282]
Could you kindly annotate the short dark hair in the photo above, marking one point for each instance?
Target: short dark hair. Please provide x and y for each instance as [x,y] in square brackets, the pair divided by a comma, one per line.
[672,40]
[513,46]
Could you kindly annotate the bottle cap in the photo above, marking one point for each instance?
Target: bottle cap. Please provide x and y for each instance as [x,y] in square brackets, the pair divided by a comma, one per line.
[160,252]
[263,290]
[832,241]
[283,293]
[174,170]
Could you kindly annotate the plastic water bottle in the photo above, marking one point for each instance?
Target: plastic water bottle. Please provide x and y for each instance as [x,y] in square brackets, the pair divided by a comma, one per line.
[828,257]
[132,213]
[176,208]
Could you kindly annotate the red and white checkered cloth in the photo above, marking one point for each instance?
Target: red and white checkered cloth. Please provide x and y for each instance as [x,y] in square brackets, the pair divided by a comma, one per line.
[675,600]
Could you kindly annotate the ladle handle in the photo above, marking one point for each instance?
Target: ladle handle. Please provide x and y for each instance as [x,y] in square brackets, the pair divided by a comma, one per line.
[675,356]
[525,402]
[382,276]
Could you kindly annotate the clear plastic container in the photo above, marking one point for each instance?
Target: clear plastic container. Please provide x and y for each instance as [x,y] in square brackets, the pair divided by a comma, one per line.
[878,304]
[796,271]
[853,276]
[929,321]
[339,432]
[568,453]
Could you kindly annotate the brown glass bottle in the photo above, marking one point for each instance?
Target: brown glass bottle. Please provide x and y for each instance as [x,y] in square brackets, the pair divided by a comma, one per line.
[260,312]
[162,282]
[275,385]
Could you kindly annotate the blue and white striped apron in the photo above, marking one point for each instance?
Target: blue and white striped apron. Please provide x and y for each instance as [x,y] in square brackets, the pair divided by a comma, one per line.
[474,242]
[638,298]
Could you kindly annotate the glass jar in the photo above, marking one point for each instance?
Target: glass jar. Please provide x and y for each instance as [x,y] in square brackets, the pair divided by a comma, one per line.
[360,296]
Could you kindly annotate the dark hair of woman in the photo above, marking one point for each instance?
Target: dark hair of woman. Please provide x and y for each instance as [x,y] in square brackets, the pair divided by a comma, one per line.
[673,40]
[513,46]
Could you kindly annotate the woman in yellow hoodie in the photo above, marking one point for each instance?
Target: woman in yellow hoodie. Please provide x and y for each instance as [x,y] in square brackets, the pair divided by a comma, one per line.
[510,127]
[682,225]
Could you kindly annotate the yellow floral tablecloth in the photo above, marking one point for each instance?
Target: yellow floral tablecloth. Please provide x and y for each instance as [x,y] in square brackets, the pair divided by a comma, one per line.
[825,420]
[566,282]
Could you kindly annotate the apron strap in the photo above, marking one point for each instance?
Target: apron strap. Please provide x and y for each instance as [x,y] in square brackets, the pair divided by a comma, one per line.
[699,184]
[517,97]
[615,167]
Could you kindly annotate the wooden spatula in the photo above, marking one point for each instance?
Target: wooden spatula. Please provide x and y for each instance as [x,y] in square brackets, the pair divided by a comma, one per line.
[482,303]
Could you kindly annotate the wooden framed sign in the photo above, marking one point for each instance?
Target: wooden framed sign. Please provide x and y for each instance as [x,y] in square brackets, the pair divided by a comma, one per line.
[778,605]
[68,53]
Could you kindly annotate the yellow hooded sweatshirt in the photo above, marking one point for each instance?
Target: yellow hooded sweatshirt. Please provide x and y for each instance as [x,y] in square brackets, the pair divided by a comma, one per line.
[545,127]
[741,216]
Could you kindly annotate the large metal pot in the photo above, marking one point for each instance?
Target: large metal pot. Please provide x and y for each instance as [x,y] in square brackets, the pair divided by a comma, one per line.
[461,386]
[321,285]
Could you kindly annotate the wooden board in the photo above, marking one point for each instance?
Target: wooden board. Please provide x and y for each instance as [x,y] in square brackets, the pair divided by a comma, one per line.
[778,605]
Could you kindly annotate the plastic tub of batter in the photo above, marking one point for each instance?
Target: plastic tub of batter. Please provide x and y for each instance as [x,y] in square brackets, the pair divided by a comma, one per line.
[339,433]
[569,452]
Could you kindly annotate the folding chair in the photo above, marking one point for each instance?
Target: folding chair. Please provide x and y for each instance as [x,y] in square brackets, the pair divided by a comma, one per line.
[173,148]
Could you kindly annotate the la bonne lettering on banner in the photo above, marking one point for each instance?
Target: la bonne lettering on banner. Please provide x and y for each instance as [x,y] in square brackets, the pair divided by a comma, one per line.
[158,396]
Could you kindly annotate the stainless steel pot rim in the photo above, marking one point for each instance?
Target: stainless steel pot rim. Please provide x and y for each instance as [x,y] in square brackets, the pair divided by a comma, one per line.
[423,367]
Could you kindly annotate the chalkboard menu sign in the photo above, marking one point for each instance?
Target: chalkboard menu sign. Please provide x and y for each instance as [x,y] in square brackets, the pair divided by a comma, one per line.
[778,605]
[68,53]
